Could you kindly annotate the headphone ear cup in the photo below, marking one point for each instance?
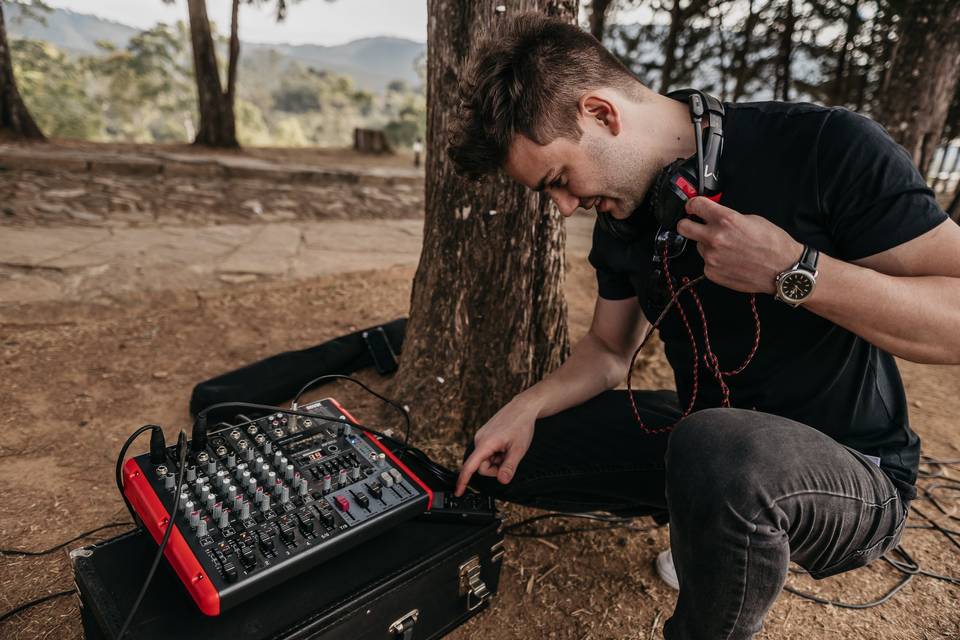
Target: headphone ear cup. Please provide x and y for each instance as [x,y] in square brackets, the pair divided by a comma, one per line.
[667,203]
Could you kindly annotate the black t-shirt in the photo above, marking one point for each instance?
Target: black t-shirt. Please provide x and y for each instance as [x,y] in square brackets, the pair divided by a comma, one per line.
[832,179]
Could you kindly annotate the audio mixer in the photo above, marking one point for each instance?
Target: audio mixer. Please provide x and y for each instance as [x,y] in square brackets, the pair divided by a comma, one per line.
[268,498]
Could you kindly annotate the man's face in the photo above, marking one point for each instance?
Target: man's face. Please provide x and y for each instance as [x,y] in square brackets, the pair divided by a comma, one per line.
[596,171]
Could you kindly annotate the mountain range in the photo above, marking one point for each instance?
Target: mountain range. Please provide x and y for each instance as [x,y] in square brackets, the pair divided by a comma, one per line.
[371,62]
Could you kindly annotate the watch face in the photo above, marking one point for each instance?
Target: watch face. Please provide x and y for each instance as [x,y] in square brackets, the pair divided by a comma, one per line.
[796,286]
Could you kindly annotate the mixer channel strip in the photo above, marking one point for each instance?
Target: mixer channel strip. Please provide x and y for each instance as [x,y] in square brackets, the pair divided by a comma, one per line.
[270,498]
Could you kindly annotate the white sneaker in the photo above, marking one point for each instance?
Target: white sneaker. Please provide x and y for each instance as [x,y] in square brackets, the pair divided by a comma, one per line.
[666,570]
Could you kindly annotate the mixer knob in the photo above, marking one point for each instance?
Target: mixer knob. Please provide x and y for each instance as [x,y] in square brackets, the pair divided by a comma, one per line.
[326,483]
[267,448]
[194,519]
[387,479]
[347,430]
[202,529]
[264,470]
[184,499]
[221,478]
[191,473]
[288,473]
[302,487]
[248,455]
[231,460]
[211,499]
[245,511]
[169,481]
[277,488]
[271,478]
[276,459]
[284,495]
[252,486]
[381,459]
[265,503]
[258,496]
[231,492]
[211,468]
[342,477]
[237,503]
[224,520]
[217,510]
[355,473]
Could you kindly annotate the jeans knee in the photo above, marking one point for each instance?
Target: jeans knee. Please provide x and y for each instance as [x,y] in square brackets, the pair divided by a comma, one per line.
[708,455]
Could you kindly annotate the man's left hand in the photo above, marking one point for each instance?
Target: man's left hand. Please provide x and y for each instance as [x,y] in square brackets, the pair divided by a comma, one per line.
[741,252]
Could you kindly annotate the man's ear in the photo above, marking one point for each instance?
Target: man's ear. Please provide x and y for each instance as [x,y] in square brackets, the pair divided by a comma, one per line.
[598,108]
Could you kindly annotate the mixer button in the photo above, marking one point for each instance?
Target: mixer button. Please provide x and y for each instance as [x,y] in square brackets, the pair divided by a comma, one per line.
[229,571]
[361,499]
[266,541]
[287,533]
[306,523]
[247,558]
[343,503]
[191,473]
[342,477]
[387,479]
[375,489]
[355,473]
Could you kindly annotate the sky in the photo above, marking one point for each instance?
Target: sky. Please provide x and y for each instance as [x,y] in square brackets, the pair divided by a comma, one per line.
[308,21]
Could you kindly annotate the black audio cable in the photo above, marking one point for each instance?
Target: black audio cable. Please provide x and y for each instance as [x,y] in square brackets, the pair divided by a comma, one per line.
[182,464]
[81,536]
[337,376]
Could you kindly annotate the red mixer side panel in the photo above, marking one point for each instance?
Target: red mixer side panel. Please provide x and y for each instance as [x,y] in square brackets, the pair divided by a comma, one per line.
[390,455]
[178,553]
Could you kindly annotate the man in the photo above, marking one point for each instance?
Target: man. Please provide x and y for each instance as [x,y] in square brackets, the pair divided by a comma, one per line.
[813,460]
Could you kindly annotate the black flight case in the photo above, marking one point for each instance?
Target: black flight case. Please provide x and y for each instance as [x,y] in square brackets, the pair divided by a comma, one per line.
[416,581]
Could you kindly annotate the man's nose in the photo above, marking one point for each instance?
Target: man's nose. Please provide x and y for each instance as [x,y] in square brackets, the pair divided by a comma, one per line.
[565,201]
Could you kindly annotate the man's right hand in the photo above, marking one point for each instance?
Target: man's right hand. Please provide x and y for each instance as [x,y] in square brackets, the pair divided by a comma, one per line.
[501,443]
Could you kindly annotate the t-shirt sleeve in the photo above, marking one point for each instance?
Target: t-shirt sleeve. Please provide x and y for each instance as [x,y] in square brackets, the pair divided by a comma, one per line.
[611,284]
[870,192]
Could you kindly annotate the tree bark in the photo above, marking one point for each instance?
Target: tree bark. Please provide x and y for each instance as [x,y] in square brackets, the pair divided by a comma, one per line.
[922,78]
[217,127]
[598,17]
[487,313]
[234,52]
[15,118]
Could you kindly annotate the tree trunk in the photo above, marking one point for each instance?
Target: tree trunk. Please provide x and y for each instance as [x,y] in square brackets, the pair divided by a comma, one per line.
[922,77]
[670,47]
[598,17]
[487,313]
[15,118]
[740,70]
[954,209]
[841,74]
[234,52]
[217,128]
[782,89]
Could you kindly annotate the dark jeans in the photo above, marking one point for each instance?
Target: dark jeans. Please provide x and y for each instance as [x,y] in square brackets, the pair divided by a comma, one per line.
[746,492]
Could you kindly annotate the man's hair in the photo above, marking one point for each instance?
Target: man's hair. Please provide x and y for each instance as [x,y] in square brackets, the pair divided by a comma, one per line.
[527,79]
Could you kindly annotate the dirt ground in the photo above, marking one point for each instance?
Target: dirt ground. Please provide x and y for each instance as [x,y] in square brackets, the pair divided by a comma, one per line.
[79,376]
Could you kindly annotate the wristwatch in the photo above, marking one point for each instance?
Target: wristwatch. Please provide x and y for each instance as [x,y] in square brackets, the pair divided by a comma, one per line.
[795,285]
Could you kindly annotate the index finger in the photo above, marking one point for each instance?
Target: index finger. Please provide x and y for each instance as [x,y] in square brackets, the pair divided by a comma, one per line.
[471,464]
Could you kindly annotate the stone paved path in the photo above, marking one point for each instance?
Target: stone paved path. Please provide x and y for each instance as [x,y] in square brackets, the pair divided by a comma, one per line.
[64,262]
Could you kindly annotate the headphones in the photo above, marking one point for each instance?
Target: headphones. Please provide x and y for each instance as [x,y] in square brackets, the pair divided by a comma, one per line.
[680,180]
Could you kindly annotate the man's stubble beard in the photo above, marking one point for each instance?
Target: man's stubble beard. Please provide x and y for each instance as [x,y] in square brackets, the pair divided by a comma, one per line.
[629,176]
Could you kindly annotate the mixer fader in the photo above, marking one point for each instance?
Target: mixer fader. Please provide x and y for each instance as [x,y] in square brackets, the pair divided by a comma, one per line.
[270,497]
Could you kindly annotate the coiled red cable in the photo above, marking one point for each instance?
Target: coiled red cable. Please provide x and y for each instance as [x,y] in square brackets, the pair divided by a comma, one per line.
[710,359]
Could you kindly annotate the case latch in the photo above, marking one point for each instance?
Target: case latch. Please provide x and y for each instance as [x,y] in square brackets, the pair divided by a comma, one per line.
[402,627]
[471,585]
